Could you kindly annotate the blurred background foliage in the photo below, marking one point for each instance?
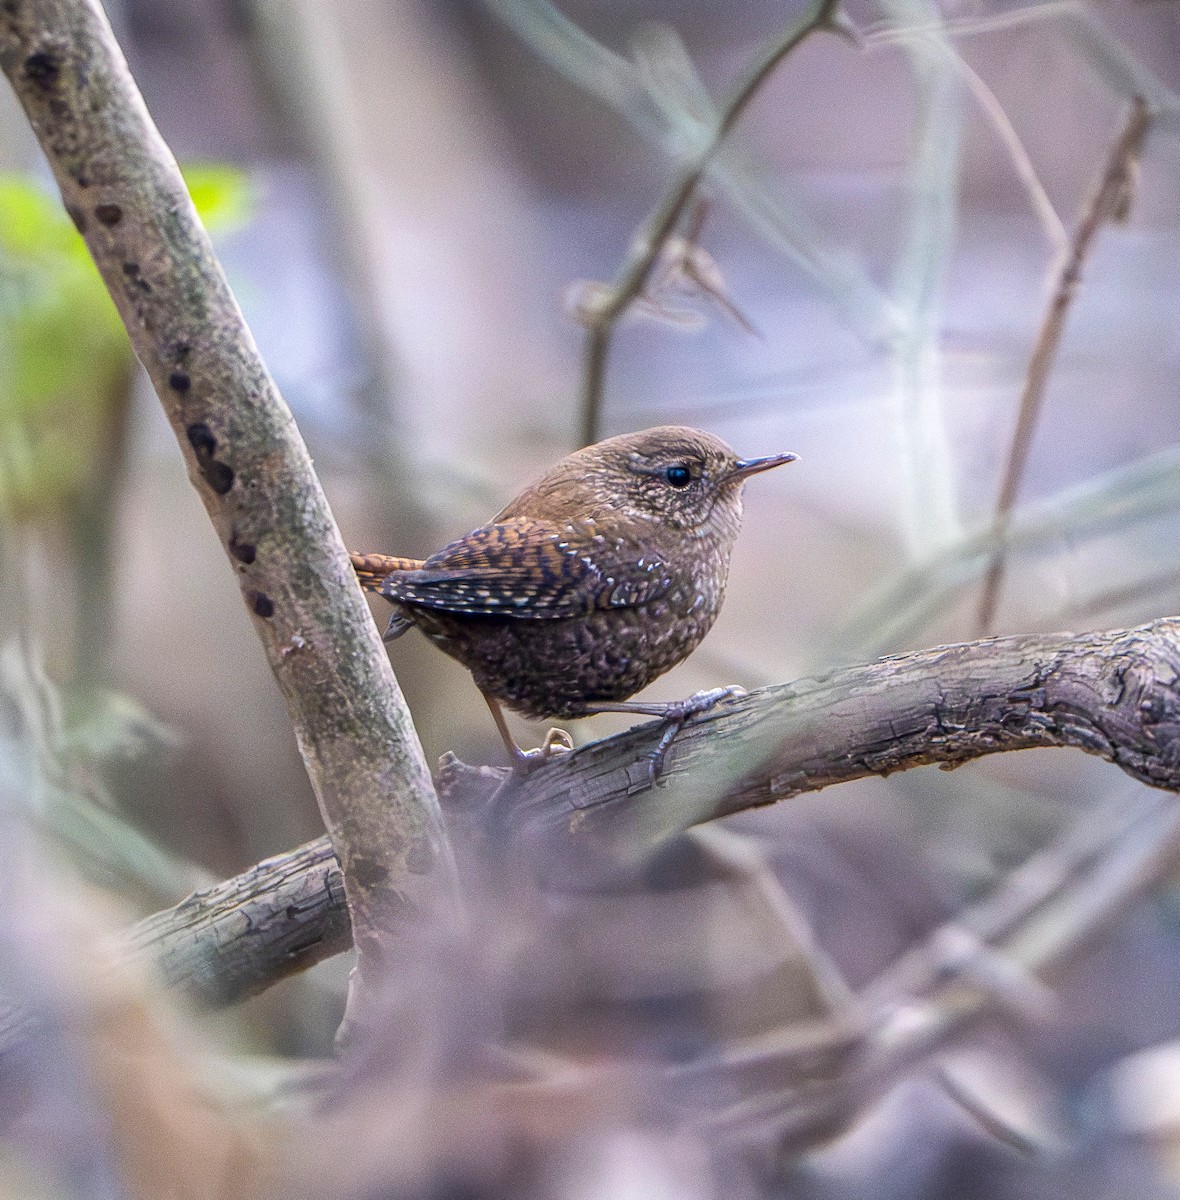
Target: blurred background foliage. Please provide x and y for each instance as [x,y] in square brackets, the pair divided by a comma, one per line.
[66,360]
[421,193]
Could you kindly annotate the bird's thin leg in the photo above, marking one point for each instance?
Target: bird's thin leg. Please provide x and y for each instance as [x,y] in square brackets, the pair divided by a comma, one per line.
[557,741]
[675,712]
[670,710]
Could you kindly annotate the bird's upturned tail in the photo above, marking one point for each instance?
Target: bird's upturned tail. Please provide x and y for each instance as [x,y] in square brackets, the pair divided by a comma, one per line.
[372,569]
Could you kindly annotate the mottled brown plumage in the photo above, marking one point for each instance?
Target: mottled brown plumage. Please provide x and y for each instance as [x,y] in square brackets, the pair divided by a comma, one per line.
[601,576]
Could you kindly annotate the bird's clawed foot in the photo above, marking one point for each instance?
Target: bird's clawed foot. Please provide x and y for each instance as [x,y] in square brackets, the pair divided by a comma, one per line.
[677,714]
[556,743]
[524,762]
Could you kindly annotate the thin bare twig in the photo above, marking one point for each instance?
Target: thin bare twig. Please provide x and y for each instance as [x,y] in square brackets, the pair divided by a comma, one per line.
[645,251]
[1124,497]
[1110,201]
[994,112]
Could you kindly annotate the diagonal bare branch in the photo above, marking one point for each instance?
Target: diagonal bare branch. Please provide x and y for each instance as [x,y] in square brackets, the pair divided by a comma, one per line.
[246,459]
[1110,201]
[649,242]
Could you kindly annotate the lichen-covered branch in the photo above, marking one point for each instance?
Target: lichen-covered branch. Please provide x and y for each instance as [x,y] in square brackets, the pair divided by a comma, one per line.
[1115,694]
[121,185]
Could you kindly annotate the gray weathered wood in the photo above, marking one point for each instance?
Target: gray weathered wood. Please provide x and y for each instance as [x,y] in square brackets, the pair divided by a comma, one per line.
[225,943]
[246,459]
[1114,694]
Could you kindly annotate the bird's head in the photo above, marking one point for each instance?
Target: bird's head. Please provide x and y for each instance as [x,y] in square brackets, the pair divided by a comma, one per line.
[671,475]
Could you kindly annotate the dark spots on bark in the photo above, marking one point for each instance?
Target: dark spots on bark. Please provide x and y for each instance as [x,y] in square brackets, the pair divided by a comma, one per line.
[43,69]
[242,551]
[131,270]
[369,872]
[108,214]
[218,475]
[180,381]
[262,605]
[77,216]
[201,438]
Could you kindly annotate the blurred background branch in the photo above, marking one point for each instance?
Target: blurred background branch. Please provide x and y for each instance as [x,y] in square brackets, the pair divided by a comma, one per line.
[602,315]
[1111,202]
[994,956]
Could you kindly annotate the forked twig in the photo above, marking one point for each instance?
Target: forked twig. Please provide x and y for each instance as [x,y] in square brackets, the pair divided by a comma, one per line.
[1111,201]
[646,249]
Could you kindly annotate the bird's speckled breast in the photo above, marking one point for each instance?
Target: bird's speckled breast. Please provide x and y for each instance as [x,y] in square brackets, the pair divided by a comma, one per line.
[553,668]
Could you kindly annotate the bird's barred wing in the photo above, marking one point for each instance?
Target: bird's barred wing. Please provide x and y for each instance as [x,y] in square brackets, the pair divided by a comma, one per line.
[530,569]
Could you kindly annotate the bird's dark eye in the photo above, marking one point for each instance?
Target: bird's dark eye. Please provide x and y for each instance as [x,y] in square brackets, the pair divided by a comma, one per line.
[678,477]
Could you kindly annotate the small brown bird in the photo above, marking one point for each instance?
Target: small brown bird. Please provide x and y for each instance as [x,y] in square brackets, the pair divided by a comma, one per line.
[601,576]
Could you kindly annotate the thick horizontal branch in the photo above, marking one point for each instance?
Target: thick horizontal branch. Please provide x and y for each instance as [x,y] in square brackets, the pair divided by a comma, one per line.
[227,942]
[1113,694]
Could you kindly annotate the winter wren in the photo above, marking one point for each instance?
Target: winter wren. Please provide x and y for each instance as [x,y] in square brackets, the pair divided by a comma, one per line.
[598,578]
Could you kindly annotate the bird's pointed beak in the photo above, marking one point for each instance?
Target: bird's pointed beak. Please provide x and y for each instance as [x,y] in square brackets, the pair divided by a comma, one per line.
[746,467]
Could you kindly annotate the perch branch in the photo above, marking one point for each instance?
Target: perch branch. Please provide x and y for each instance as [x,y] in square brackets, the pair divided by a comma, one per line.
[1111,201]
[645,250]
[1114,694]
[245,457]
